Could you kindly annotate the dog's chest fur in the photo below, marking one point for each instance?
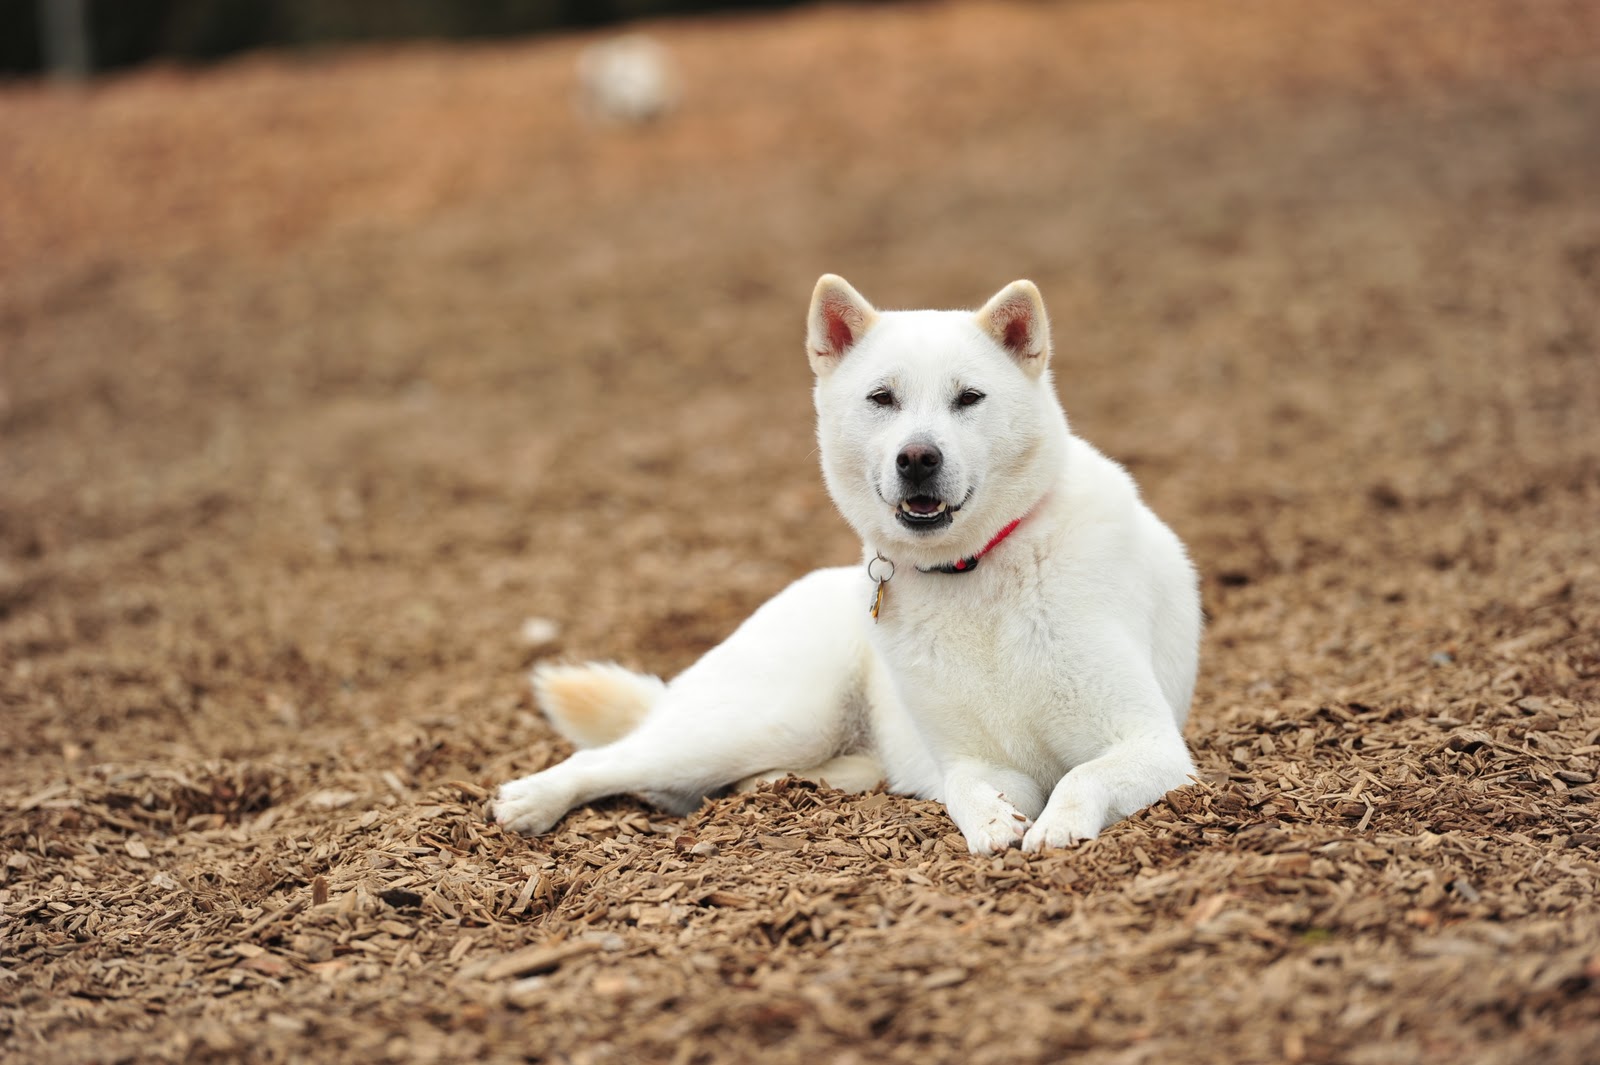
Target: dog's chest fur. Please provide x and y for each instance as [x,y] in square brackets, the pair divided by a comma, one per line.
[1011,662]
[976,662]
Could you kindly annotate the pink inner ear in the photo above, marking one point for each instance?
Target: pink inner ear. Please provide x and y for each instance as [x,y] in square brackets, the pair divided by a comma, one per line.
[1016,333]
[839,335]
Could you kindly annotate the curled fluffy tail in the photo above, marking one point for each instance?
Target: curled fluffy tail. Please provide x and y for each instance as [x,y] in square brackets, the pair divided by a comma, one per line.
[595,703]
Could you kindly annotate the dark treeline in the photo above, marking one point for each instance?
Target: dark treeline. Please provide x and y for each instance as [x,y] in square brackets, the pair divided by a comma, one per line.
[122,33]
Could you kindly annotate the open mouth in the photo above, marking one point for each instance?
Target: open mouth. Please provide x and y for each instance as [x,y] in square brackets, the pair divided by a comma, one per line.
[924,513]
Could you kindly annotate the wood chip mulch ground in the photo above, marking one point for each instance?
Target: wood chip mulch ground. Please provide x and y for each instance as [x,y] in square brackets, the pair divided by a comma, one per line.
[336,390]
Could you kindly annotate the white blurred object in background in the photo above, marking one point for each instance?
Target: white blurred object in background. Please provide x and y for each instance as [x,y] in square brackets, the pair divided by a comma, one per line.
[627,79]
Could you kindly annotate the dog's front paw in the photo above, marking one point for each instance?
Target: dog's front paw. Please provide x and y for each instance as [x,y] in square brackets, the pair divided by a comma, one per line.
[989,820]
[1043,835]
[1005,828]
[1061,826]
[530,805]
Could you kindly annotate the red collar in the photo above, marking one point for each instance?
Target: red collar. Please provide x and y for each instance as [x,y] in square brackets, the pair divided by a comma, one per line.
[960,565]
[970,563]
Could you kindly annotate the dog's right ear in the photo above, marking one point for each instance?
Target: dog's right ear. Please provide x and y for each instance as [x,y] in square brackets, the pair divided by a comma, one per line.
[1015,318]
[839,317]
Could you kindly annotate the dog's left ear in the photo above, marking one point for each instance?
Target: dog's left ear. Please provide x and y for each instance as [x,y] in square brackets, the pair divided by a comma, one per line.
[839,316]
[1016,320]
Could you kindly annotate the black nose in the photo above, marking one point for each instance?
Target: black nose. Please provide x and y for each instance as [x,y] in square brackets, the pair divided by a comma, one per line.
[918,462]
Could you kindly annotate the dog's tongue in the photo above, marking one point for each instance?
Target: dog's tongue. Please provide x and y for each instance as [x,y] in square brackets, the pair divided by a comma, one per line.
[922,505]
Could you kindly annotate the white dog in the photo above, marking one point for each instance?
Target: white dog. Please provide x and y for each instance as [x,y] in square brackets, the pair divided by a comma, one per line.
[1020,644]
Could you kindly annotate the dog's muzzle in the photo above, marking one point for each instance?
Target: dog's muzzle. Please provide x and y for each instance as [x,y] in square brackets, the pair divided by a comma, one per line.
[922,507]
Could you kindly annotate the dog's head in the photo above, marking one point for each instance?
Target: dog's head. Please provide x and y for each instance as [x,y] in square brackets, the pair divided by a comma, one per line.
[937,427]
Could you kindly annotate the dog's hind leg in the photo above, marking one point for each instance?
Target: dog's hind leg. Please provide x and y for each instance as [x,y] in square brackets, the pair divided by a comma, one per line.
[688,747]
[673,775]
[779,692]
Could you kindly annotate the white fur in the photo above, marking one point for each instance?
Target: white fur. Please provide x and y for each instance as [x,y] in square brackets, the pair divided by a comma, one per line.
[1040,697]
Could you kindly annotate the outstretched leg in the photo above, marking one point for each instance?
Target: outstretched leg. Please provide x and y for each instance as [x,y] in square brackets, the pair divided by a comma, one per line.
[780,693]
[672,766]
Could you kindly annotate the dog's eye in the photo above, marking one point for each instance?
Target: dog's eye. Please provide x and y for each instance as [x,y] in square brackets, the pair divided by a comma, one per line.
[882,397]
[969,398]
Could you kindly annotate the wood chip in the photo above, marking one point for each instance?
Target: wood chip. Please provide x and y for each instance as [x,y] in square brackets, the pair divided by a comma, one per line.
[537,959]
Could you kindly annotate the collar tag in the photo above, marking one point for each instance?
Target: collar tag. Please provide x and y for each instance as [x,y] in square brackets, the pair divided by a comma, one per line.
[879,569]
